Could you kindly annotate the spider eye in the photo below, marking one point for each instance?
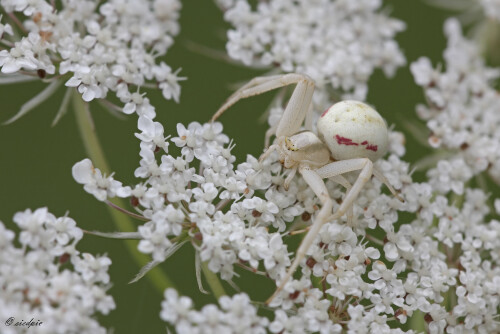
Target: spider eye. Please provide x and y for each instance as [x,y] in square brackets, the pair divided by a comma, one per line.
[290,145]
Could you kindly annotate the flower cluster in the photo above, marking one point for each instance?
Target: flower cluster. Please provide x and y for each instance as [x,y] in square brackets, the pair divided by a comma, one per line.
[339,43]
[95,47]
[461,113]
[49,278]
[233,216]
[472,8]
[238,315]
[491,8]
[177,197]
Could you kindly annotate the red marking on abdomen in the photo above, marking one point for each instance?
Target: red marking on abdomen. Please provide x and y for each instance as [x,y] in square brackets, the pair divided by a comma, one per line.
[324,112]
[345,141]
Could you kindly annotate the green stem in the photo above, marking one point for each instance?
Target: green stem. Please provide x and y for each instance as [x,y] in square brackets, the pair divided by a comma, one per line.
[417,322]
[122,222]
[213,281]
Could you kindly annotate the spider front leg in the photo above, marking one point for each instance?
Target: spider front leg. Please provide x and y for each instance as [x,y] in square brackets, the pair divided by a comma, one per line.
[367,170]
[314,179]
[344,166]
[318,186]
[298,105]
[348,186]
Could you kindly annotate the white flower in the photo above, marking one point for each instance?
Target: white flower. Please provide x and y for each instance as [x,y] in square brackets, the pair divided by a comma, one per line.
[65,230]
[491,8]
[97,184]
[207,192]
[174,309]
[188,139]
[5,28]
[497,205]
[152,132]
[19,57]
[233,188]
[33,230]
[284,324]
[93,269]
[47,278]
[154,240]
[168,81]
[263,210]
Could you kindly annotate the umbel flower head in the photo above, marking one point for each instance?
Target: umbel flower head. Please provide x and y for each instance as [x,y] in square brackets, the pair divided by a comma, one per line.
[234,217]
[339,43]
[93,46]
[482,18]
[472,9]
[461,112]
[47,278]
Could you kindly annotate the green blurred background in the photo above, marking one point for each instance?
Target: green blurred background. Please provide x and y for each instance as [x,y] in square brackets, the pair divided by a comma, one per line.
[36,159]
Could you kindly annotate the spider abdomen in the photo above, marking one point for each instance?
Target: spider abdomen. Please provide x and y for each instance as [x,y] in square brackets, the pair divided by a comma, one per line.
[353,129]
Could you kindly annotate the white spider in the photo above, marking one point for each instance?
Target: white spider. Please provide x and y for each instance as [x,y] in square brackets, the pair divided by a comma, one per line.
[351,136]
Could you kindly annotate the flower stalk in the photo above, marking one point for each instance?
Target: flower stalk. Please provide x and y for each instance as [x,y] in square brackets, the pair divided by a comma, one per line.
[213,281]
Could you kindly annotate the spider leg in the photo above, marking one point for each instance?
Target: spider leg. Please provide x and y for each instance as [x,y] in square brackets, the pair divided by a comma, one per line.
[318,186]
[378,174]
[345,166]
[268,152]
[296,108]
[343,182]
[255,82]
[314,179]
[269,133]
[289,178]
[309,118]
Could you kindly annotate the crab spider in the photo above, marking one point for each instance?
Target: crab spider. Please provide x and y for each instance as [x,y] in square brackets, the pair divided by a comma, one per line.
[350,136]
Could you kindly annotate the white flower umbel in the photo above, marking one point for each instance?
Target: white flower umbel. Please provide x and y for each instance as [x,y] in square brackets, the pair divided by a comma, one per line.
[93,46]
[339,43]
[234,216]
[471,9]
[176,197]
[48,280]
[462,112]
[461,245]
[491,8]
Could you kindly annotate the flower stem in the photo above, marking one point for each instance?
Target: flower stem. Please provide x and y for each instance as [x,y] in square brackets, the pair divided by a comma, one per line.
[213,281]
[417,322]
[131,214]
[122,222]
